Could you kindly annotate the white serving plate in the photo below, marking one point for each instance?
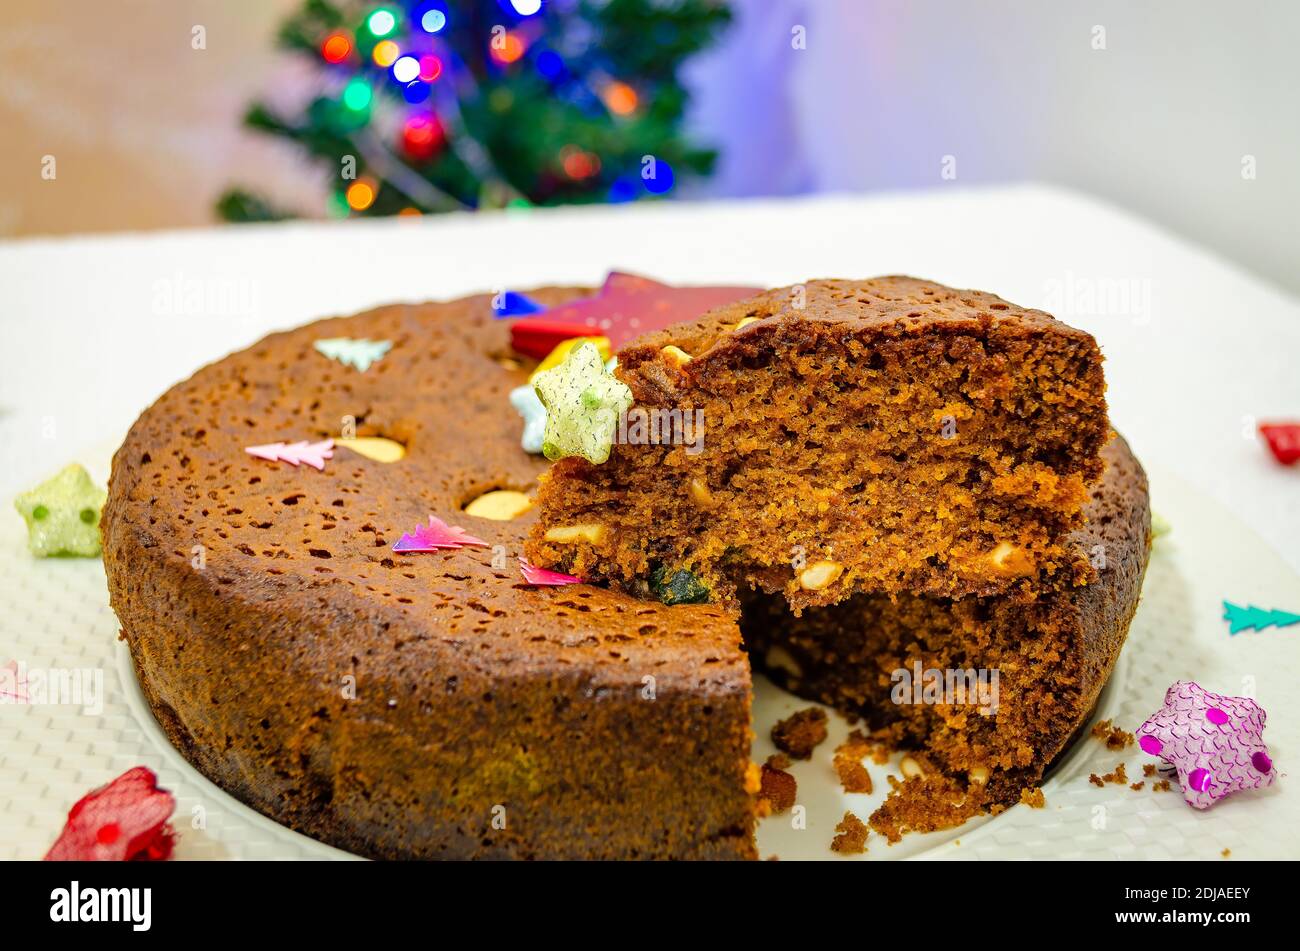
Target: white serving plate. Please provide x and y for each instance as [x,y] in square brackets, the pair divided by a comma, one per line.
[55,613]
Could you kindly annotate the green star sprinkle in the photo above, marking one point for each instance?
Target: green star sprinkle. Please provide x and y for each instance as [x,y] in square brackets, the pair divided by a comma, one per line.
[583,403]
[62,515]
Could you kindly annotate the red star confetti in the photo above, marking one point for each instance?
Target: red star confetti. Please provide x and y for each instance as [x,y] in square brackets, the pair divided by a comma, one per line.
[1216,743]
[1283,440]
[304,453]
[624,308]
[127,820]
[435,536]
[544,577]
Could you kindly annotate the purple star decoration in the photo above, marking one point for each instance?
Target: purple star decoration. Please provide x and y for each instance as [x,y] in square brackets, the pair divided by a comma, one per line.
[1216,743]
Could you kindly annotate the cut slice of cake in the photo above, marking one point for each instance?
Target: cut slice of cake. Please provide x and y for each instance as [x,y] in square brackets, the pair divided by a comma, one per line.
[890,435]
[990,690]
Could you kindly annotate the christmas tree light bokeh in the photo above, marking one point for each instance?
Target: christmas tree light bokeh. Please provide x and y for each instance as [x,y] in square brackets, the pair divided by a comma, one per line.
[431,105]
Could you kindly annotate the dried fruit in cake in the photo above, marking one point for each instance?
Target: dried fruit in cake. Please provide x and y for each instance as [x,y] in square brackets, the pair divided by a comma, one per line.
[886,435]
[677,586]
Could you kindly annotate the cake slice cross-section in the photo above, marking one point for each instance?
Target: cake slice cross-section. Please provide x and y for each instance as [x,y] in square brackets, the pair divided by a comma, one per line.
[890,435]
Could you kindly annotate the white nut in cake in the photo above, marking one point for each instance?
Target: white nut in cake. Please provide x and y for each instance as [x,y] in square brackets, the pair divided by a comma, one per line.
[820,574]
[584,532]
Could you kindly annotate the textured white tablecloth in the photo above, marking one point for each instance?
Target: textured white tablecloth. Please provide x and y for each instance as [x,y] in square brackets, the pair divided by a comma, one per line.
[95,328]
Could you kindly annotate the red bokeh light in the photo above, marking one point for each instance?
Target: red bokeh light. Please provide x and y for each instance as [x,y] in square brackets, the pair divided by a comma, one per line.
[422,137]
[336,48]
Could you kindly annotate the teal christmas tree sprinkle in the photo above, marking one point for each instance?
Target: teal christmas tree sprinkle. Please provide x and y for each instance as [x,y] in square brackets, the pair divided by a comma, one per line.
[1242,619]
[358,354]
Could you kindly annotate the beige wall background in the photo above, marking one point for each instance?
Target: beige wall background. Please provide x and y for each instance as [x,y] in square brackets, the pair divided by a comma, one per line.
[145,130]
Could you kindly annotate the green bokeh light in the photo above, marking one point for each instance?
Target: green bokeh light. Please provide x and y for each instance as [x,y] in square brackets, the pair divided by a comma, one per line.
[357,95]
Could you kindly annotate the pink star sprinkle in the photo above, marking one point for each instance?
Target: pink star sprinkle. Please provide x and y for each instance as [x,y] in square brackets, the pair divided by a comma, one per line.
[435,536]
[1216,743]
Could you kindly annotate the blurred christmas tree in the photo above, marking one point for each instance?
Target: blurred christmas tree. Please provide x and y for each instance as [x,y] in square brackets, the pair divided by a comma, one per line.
[438,105]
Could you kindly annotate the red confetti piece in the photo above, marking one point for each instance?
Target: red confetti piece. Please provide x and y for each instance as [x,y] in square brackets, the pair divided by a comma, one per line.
[1283,440]
[435,536]
[126,820]
[625,307]
[544,577]
[537,338]
[311,454]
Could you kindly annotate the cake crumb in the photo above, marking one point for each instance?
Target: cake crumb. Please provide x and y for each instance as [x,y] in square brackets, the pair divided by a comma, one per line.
[876,742]
[848,764]
[1033,797]
[1162,786]
[801,732]
[1140,784]
[1114,737]
[778,761]
[850,836]
[778,791]
[925,804]
[1118,777]
[1226,852]
[1149,769]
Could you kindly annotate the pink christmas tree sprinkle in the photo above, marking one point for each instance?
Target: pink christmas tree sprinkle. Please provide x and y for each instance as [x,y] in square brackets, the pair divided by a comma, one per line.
[126,820]
[13,683]
[437,535]
[544,577]
[307,453]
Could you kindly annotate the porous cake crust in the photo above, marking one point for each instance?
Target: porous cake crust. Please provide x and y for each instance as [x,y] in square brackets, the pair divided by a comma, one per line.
[890,435]
[432,705]
[490,720]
